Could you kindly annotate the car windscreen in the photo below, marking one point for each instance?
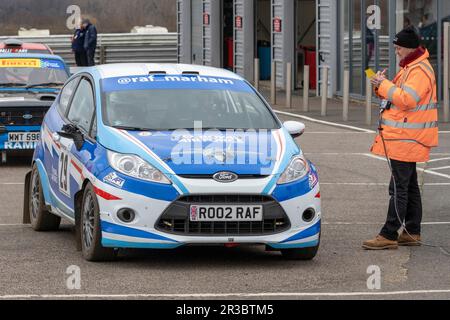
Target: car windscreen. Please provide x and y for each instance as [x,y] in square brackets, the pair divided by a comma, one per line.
[32,72]
[168,105]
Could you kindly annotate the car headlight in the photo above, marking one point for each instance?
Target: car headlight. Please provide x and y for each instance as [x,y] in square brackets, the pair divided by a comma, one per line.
[135,167]
[296,170]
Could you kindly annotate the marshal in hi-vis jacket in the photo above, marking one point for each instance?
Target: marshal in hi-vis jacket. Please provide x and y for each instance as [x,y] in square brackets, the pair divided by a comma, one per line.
[410,126]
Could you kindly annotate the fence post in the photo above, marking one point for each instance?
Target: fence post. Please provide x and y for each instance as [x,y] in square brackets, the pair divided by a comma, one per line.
[289,85]
[368,101]
[273,84]
[446,71]
[102,55]
[324,91]
[257,74]
[306,88]
[346,87]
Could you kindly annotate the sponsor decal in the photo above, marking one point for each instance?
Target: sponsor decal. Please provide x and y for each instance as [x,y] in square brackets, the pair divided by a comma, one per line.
[313,180]
[145,82]
[174,78]
[188,138]
[51,64]
[20,63]
[31,63]
[13,50]
[114,179]
[20,145]
[220,155]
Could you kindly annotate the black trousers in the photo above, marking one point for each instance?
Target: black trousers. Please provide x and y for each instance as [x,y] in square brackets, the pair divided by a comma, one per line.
[90,54]
[409,202]
[80,58]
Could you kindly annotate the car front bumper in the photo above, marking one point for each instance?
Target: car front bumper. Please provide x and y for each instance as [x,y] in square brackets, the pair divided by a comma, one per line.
[144,233]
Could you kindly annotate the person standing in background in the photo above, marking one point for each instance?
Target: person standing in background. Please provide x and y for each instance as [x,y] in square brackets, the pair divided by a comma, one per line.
[78,47]
[90,41]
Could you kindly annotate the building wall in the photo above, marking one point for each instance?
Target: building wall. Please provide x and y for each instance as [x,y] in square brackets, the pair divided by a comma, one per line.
[284,46]
[307,15]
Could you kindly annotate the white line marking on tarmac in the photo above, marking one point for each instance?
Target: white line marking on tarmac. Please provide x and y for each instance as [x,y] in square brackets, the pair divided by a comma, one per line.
[440,168]
[11,183]
[440,159]
[334,124]
[336,132]
[374,184]
[325,223]
[225,295]
[375,223]
[420,169]
[365,154]
[324,122]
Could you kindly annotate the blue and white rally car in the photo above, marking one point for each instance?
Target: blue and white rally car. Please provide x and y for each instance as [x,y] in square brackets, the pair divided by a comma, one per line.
[162,156]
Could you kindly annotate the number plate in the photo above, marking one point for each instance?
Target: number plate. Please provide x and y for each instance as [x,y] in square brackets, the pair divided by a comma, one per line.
[23,136]
[199,213]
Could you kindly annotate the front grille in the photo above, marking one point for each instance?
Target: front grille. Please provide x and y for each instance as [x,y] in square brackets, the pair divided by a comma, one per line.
[15,116]
[175,219]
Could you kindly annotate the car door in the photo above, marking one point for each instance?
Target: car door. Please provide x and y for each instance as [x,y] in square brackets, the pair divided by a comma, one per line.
[55,119]
[73,159]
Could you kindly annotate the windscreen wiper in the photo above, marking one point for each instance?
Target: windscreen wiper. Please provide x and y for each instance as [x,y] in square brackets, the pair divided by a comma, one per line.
[45,84]
[12,84]
[202,128]
[131,128]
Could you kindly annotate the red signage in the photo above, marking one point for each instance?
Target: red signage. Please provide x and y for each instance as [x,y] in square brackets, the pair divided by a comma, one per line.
[206,20]
[238,22]
[277,24]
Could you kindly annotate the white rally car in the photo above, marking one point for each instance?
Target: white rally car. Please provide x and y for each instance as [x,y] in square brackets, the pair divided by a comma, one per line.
[162,156]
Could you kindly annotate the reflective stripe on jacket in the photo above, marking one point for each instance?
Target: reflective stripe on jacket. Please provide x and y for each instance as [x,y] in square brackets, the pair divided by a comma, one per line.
[410,127]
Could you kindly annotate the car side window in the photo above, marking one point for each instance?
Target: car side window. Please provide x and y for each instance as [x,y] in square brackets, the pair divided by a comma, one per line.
[82,107]
[66,93]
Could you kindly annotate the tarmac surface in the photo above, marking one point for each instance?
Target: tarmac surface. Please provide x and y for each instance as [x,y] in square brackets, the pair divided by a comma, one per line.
[354,194]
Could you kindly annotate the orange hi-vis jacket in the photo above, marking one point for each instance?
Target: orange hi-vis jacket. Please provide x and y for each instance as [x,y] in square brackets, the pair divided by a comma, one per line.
[410,126]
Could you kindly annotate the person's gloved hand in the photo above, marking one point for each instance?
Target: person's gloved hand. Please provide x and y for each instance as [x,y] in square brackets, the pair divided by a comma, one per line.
[378,79]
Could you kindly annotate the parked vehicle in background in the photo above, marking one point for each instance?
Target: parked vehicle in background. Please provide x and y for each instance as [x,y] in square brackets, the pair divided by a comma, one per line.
[29,83]
[18,46]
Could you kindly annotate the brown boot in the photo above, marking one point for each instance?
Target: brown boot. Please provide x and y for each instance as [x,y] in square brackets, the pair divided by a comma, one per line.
[408,240]
[380,243]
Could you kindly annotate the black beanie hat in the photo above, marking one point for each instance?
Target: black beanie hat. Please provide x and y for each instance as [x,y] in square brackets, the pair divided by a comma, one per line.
[407,38]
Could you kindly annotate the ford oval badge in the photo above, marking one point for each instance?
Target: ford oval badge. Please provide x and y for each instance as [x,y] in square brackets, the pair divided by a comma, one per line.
[225,177]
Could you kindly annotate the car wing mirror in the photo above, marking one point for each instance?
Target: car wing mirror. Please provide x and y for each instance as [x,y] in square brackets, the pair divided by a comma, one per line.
[295,128]
[71,131]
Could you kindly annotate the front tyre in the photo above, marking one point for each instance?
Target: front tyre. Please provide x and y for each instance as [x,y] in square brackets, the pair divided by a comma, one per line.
[40,218]
[91,234]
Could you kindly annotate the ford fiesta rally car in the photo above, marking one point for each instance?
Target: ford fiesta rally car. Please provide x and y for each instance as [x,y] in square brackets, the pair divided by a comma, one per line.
[29,83]
[162,156]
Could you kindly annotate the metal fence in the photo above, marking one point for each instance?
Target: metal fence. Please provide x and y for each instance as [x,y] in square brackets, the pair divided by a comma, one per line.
[117,47]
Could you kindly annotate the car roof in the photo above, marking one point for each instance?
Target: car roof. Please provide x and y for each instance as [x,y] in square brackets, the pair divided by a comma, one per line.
[144,69]
[30,56]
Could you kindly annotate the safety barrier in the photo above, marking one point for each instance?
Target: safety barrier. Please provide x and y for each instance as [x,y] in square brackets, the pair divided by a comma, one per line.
[117,47]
